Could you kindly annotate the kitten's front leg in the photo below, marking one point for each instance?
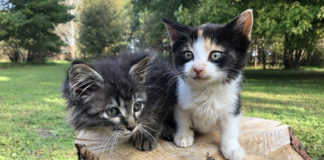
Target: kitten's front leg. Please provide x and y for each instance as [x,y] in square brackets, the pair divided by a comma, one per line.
[230,145]
[184,136]
[146,138]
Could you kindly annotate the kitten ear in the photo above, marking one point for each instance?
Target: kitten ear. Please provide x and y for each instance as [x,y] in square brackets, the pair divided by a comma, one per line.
[138,70]
[175,30]
[243,23]
[84,80]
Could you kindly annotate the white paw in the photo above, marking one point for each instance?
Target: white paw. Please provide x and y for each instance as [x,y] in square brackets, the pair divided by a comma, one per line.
[184,139]
[231,153]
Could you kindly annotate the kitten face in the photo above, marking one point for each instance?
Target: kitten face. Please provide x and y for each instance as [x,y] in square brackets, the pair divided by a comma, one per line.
[210,53]
[203,60]
[115,103]
[124,114]
[129,96]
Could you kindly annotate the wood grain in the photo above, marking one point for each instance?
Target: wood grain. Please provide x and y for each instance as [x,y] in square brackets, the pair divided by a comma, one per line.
[261,139]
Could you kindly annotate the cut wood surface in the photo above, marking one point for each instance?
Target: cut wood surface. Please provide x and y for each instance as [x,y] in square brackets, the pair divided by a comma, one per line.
[261,139]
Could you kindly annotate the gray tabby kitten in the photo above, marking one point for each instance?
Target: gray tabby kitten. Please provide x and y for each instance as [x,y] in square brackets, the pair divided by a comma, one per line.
[130,96]
[210,59]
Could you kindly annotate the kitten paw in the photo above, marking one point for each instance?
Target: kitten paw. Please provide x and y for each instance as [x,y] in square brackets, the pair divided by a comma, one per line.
[184,139]
[145,145]
[232,153]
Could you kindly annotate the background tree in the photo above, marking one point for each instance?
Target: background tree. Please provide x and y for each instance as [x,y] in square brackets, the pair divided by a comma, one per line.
[298,25]
[147,29]
[29,24]
[102,27]
[284,32]
[68,32]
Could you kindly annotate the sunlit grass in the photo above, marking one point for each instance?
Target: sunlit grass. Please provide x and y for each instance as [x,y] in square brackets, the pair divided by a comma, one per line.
[295,98]
[58,62]
[2,78]
[310,68]
[33,116]
[32,113]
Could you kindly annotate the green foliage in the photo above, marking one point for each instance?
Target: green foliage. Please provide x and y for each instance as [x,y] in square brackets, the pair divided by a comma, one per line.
[102,27]
[30,23]
[294,26]
[207,11]
[297,23]
[147,27]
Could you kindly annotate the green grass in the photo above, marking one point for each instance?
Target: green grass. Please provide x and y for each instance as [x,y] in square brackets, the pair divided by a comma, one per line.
[295,98]
[33,117]
[32,113]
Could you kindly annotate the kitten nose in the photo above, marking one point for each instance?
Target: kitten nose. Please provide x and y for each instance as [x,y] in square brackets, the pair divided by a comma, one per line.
[130,127]
[198,70]
[198,67]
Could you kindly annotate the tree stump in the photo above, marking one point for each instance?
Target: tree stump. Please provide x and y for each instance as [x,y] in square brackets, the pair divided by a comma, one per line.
[261,139]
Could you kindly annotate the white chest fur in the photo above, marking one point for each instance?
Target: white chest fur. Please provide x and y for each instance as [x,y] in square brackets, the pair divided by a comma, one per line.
[207,105]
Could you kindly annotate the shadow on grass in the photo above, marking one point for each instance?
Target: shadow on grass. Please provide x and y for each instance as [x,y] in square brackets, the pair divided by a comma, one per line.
[22,64]
[283,75]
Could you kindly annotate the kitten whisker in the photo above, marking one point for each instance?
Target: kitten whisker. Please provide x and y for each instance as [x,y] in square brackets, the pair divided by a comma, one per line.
[145,126]
[147,134]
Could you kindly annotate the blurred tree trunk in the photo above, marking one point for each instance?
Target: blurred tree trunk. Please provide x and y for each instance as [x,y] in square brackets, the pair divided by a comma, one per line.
[36,57]
[68,31]
[256,56]
[13,53]
[263,58]
[15,56]
[292,58]
[273,59]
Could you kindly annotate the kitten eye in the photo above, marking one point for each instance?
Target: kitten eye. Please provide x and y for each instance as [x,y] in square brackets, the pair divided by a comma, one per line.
[113,111]
[138,106]
[188,55]
[214,55]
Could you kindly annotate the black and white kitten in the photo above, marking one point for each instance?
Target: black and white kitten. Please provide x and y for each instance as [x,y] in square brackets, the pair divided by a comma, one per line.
[129,96]
[210,59]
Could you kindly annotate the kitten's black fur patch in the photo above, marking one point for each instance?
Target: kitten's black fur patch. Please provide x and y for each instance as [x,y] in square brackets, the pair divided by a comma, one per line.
[238,106]
[159,87]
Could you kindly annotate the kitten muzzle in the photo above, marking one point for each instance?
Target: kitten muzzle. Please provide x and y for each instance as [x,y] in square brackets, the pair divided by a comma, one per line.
[130,128]
[130,124]
[198,68]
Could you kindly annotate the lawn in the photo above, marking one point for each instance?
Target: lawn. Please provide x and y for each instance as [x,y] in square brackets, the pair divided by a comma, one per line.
[33,117]
[32,113]
[295,98]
